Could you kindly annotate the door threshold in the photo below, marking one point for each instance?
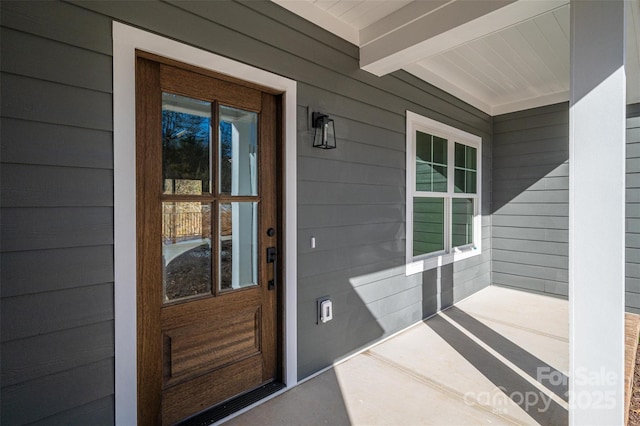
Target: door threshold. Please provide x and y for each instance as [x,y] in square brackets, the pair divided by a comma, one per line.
[233,405]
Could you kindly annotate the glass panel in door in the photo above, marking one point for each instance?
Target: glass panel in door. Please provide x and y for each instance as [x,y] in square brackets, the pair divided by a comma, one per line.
[186,250]
[238,245]
[186,145]
[238,151]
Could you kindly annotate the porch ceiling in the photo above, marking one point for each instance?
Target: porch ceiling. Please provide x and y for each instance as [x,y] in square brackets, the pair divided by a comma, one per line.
[498,55]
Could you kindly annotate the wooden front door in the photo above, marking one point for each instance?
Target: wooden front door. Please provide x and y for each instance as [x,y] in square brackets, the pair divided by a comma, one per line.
[207,232]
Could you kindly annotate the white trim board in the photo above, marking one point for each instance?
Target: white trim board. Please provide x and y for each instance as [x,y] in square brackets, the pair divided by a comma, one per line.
[126,40]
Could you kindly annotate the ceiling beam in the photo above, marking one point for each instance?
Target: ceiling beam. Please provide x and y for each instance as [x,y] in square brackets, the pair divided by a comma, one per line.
[449,25]
[401,17]
[321,18]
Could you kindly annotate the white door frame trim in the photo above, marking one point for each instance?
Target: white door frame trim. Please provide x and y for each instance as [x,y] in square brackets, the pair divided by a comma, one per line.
[126,40]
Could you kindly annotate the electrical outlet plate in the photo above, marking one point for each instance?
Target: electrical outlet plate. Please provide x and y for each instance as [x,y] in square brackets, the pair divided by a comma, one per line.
[326,309]
[319,316]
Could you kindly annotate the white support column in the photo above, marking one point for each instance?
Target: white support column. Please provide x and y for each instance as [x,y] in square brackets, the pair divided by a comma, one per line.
[597,212]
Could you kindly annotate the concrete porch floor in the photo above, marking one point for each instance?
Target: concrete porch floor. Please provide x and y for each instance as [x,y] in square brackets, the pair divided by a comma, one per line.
[498,357]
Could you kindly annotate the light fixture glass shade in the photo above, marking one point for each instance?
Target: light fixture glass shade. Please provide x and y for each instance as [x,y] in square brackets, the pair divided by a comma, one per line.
[325,133]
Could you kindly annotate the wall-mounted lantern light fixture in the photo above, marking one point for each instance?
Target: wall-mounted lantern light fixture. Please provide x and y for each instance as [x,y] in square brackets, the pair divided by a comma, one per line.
[325,133]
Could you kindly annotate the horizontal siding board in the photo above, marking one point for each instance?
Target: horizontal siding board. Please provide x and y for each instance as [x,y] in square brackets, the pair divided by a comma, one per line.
[331,238]
[328,343]
[327,193]
[519,282]
[29,142]
[632,240]
[528,172]
[61,22]
[531,258]
[464,290]
[632,285]
[37,399]
[53,186]
[45,228]
[334,171]
[351,131]
[318,216]
[56,311]
[383,289]
[533,209]
[556,288]
[632,255]
[632,210]
[633,110]
[633,149]
[473,262]
[632,300]
[310,264]
[632,270]
[553,158]
[633,225]
[57,269]
[37,100]
[24,360]
[525,123]
[45,59]
[483,279]
[353,152]
[340,105]
[632,165]
[521,221]
[632,195]
[632,310]
[531,197]
[470,274]
[542,184]
[633,180]
[559,145]
[397,320]
[96,413]
[557,132]
[561,108]
[350,279]
[527,246]
[400,300]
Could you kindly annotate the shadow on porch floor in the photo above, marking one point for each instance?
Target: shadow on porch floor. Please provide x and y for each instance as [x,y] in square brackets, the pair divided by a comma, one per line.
[498,357]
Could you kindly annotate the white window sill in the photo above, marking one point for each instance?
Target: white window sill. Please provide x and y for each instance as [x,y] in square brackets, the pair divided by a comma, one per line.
[416,266]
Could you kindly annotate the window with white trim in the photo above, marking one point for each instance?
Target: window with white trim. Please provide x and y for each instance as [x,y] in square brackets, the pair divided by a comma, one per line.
[443,193]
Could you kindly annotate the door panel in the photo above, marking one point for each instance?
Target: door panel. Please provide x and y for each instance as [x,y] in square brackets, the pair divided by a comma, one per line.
[209,389]
[207,316]
[195,348]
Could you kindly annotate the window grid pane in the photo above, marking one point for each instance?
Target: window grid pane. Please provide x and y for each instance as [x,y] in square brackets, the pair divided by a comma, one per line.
[465,169]
[431,163]
[428,225]
[461,221]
